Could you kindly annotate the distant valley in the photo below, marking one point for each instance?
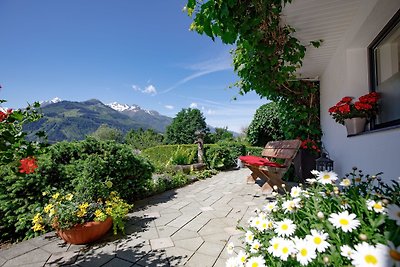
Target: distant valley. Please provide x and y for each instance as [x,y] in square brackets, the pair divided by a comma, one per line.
[68,120]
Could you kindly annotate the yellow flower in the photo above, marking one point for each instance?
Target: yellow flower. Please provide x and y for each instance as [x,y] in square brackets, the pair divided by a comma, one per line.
[37,227]
[81,213]
[109,184]
[69,197]
[48,208]
[37,219]
[109,210]
[84,206]
[55,196]
[44,193]
[52,212]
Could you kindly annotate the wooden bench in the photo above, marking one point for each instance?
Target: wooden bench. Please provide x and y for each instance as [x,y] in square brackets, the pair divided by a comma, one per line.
[267,168]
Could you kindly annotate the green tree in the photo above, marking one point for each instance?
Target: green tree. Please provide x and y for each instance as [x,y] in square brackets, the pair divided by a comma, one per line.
[265,126]
[184,125]
[142,139]
[220,134]
[104,133]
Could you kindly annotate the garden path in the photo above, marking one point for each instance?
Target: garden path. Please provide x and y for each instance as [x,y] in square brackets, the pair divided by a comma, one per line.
[189,226]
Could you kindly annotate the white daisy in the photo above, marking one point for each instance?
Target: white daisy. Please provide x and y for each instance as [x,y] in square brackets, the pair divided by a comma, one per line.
[327,177]
[318,238]
[315,172]
[232,262]
[265,225]
[256,262]
[242,257]
[368,255]
[393,212]
[255,246]
[263,215]
[295,191]
[285,227]
[274,247]
[394,254]
[345,182]
[291,205]
[255,222]
[249,237]
[286,248]
[344,221]
[305,251]
[378,207]
[271,206]
[230,248]
[311,180]
[346,251]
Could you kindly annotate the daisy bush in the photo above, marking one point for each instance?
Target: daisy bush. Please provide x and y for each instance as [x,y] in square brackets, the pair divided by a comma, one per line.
[354,221]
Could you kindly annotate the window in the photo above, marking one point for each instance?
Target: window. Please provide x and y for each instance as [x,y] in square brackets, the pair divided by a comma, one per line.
[385,73]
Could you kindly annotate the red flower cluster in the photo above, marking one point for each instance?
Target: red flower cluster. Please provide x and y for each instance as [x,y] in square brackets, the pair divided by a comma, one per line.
[28,165]
[4,114]
[310,144]
[366,106]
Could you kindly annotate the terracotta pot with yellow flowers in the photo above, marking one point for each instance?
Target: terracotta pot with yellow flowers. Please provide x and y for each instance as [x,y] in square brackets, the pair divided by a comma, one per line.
[81,219]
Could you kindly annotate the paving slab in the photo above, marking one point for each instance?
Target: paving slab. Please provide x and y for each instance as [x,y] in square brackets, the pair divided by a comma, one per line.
[189,226]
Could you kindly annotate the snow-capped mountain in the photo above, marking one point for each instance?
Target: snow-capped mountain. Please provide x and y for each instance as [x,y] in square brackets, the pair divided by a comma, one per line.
[123,107]
[52,101]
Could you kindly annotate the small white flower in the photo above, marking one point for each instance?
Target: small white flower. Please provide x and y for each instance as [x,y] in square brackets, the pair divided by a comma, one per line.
[286,248]
[315,172]
[291,205]
[327,177]
[367,255]
[320,215]
[311,180]
[393,212]
[255,222]
[305,251]
[285,227]
[346,251]
[255,246]
[344,221]
[378,207]
[232,262]
[274,247]
[295,191]
[256,262]
[270,207]
[318,238]
[345,182]
[230,248]
[249,237]
[242,257]
[265,225]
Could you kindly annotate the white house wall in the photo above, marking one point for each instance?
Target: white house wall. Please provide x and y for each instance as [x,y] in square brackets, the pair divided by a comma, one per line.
[347,74]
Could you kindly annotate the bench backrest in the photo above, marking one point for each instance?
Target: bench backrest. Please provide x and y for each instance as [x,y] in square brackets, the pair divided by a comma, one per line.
[286,149]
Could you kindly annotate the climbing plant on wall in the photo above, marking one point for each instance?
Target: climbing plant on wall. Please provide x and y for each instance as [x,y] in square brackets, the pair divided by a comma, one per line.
[266,56]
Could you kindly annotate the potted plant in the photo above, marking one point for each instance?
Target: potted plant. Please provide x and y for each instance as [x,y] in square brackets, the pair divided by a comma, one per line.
[304,162]
[79,219]
[354,114]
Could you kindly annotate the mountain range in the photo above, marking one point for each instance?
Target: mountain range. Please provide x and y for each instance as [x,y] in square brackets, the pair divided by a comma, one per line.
[68,120]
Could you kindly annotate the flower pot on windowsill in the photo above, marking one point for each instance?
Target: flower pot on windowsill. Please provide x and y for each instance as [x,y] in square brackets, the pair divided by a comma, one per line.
[85,233]
[355,125]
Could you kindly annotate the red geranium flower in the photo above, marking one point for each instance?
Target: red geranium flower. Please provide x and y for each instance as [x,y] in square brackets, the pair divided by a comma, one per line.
[4,114]
[28,165]
[346,99]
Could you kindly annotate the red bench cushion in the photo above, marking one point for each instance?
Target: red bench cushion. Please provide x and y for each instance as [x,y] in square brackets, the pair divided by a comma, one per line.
[259,161]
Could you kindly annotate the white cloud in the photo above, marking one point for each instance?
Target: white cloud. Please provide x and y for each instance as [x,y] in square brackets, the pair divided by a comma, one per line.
[150,89]
[169,107]
[193,105]
[221,63]
[210,112]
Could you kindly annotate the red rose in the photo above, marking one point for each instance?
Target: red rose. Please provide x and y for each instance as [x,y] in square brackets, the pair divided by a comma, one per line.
[28,165]
[344,109]
[362,106]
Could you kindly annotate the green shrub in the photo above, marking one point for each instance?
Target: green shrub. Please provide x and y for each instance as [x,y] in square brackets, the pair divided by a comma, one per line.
[182,156]
[160,156]
[223,155]
[254,150]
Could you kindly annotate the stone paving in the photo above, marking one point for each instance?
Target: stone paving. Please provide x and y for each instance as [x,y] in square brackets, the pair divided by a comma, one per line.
[189,226]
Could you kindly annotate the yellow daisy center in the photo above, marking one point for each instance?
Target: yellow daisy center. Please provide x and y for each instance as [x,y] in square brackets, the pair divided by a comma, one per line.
[255,264]
[371,259]
[243,259]
[326,176]
[276,246]
[377,206]
[285,250]
[303,252]
[317,240]
[344,221]
[284,227]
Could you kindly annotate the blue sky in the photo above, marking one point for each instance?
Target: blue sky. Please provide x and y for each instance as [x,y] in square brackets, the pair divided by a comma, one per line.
[126,51]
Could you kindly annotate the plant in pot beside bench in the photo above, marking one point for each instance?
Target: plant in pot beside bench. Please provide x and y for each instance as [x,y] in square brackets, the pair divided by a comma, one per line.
[81,219]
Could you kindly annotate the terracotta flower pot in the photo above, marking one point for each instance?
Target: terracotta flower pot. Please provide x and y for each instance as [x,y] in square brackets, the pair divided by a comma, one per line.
[355,125]
[85,233]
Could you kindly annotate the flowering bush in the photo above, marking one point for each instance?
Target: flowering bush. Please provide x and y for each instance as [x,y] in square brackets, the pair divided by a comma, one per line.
[66,210]
[311,145]
[366,106]
[354,221]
